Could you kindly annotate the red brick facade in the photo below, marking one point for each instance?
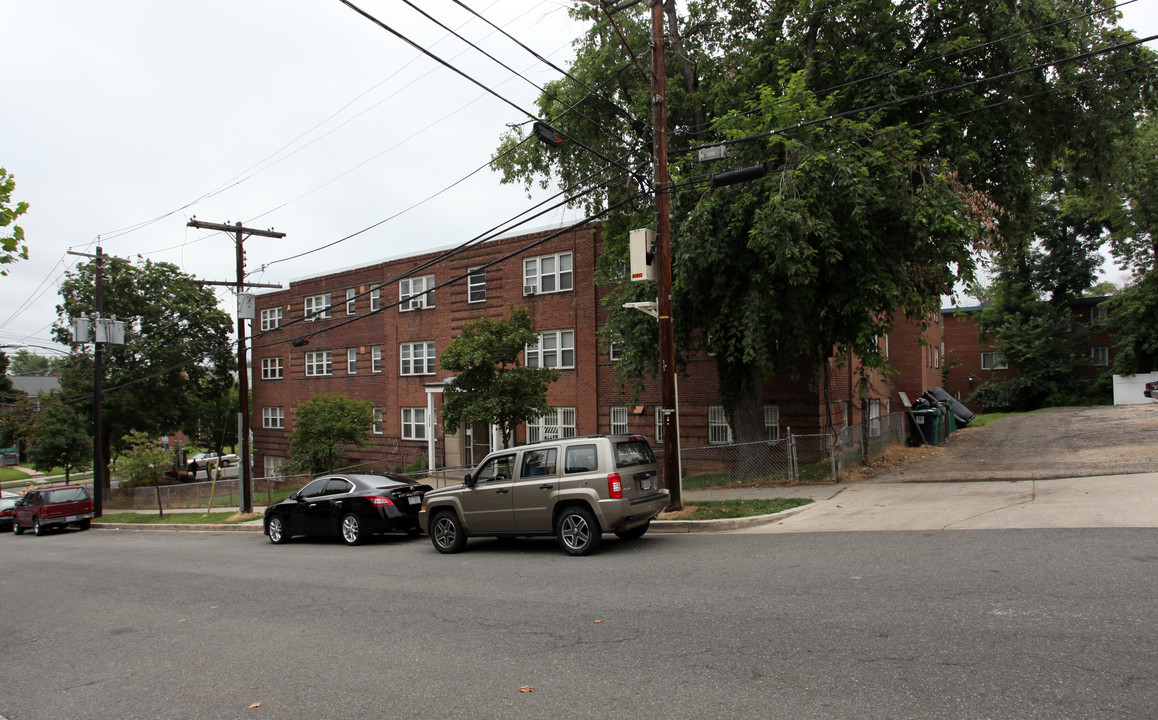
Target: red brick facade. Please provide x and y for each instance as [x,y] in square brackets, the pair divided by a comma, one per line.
[592,387]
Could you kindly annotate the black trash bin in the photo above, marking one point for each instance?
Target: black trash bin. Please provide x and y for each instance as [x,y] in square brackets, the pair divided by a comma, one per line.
[961,413]
[923,426]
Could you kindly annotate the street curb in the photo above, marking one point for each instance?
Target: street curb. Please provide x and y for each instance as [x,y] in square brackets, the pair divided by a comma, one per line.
[657,526]
[725,524]
[193,527]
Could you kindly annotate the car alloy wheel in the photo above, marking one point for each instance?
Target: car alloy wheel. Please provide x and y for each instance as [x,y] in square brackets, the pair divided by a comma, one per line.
[352,530]
[37,528]
[578,531]
[16,529]
[277,534]
[446,533]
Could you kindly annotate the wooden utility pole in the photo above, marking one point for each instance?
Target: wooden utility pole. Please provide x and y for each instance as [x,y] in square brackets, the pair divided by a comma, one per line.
[100,478]
[240,233]
[671,463]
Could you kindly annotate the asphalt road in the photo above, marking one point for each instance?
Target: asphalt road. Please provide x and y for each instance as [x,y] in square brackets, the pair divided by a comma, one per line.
[1040,623]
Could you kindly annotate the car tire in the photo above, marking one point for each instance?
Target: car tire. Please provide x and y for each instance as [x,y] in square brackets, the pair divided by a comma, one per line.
[351,529]
[578,531]
[84,524]
[276,531]
[634,533]
[16,529]
[37,529]
[447,533]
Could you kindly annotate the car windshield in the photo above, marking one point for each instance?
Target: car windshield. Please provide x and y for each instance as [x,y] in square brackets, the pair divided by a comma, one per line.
[633,452]
[386,483]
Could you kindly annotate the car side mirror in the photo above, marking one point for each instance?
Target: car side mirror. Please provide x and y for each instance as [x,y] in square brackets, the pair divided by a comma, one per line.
[468,480]
[297,497]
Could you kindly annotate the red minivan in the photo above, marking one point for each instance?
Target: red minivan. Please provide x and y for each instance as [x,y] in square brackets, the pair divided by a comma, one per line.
[44,509]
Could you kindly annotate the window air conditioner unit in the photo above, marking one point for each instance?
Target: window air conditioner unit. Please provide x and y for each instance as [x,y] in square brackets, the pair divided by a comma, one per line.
[530,289]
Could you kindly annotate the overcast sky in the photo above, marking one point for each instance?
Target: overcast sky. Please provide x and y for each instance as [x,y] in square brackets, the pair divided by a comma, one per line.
[296,115]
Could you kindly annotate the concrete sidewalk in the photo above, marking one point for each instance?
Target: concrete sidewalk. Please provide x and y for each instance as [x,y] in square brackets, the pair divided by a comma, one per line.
[1090,502]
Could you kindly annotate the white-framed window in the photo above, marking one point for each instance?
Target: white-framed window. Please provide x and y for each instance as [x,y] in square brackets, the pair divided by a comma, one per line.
[351,361]
[376,359]
[993,361]
[619,420]
[936,357]
[1099,314]
[476,285]
[613,352]
[772,421]
[351,303]
[658,423]
[376,427]
[273,417]
[547,274]
[413,423]
[416,358]
[874,418]
[319,362]
[416,293]
[270,319]
[271,368]
[719,431]
[559,423]
[317,307]
[375,299]
[1100,356]
[272,465]
[555,349]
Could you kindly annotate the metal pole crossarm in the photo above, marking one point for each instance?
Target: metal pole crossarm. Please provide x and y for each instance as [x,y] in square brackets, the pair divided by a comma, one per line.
[113,258]
[233,283]
[238,228]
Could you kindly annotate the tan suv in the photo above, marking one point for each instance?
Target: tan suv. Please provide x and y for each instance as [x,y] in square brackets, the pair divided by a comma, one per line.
[573,488]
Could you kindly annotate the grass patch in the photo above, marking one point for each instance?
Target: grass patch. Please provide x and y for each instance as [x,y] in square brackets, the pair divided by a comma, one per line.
[214,518]
[983,419]
[719,509]
[10,476]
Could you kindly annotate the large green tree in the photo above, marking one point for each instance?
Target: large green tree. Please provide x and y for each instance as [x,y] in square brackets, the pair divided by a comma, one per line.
[25,362]
[12,247]
[492,385]
[61,437]
[326,428]
[177,344]
[863,212]
[1134,223]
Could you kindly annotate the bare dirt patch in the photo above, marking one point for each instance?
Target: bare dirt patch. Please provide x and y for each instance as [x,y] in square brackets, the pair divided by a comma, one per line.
[1066,442]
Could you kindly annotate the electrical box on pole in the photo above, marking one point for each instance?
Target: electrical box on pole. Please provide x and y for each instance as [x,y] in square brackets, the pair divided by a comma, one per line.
[642,255]
[246,306]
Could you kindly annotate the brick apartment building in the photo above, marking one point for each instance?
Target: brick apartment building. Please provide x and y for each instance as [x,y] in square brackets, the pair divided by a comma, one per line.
[973,361]
[364,344]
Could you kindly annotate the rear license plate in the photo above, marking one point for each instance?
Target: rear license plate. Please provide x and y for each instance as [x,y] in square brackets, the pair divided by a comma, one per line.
[413,499]
[71,518]
[645,484]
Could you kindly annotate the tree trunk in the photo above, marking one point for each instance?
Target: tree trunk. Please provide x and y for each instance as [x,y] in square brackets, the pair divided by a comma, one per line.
[748,426]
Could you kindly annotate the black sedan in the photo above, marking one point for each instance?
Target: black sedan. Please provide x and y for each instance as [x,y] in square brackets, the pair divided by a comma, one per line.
[352,507]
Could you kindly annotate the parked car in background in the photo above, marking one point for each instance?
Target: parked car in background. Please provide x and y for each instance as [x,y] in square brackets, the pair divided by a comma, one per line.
[574,488]
[352,507]
[1151,390]
[49,508]
[7,511]
[203,460]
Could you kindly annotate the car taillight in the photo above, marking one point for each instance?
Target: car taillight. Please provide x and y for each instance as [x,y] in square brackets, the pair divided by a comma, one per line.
[614,486]
[379,501]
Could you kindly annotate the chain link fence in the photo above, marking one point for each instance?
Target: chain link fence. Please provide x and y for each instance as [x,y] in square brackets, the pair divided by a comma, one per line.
[871,438]
[792,459]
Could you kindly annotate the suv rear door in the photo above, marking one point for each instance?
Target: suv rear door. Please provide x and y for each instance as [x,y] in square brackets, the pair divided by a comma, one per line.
[536,489]
[637,467]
